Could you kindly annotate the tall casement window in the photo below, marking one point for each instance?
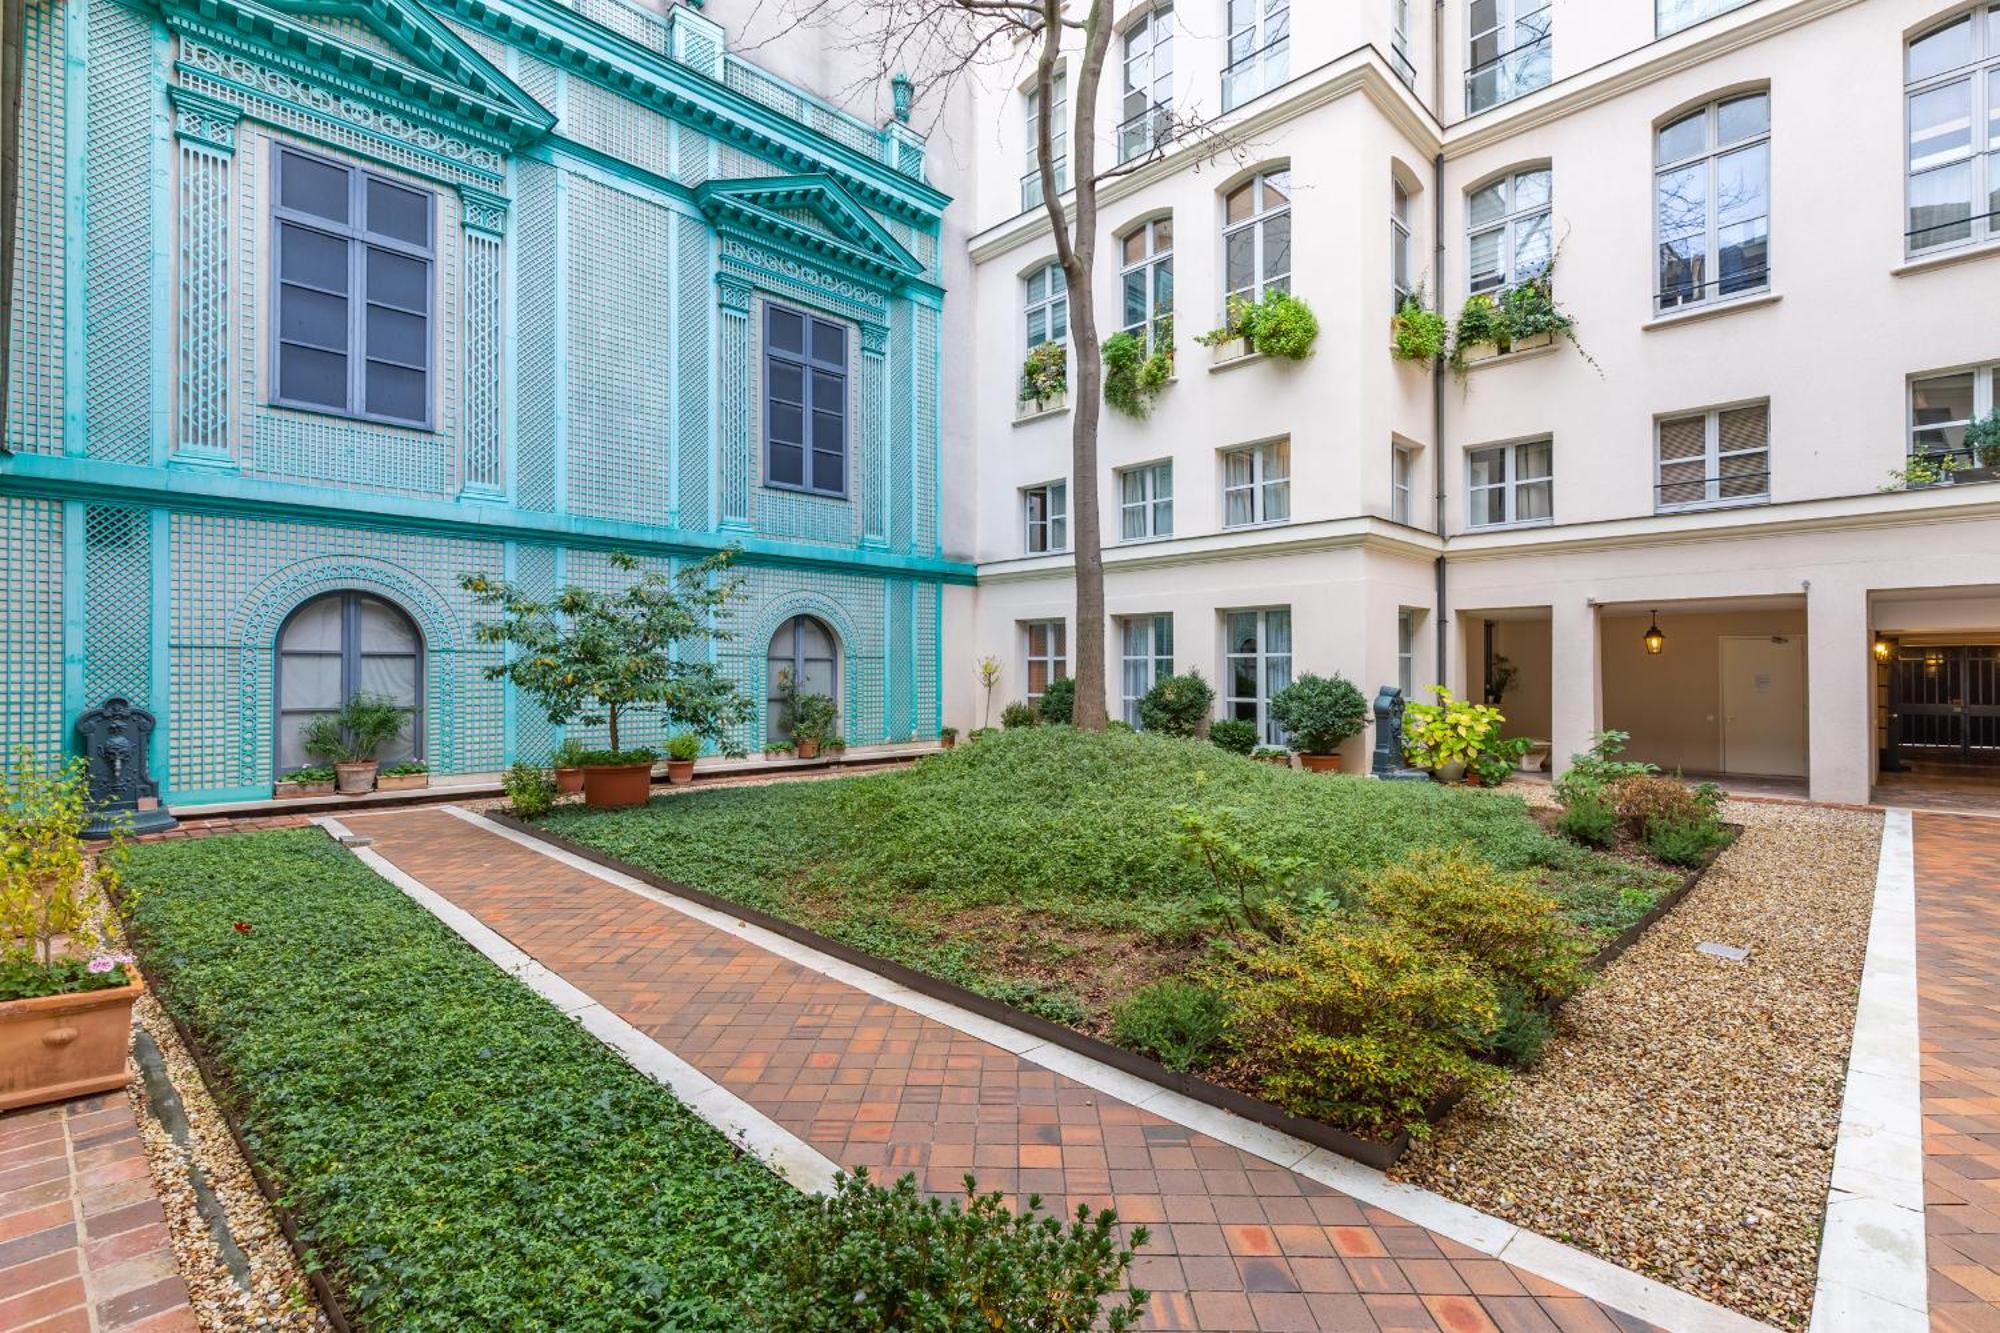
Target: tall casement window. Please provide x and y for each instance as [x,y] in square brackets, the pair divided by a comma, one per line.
[1147,278]
[1511,483]
[1942,406]
[1399,245]
[1399,42]
[1508,236]
[805,402]
[1406,651]
[1257,237]
[1670,16]
[1048,655]
[1256,484]
[1260,48]
[1711,458]
[1954,125]
[1045,518]
[1402,483]
[1148,105]
[1146,654]
[355,291]
[1146,502]
[1713,193]
[1258,663]
[335,647]
[1509,51]
[1031,179]
[803,658]
[1047,305]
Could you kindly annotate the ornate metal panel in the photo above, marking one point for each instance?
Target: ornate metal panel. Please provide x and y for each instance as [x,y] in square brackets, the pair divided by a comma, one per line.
[36,351]
[120,292]
[118,580]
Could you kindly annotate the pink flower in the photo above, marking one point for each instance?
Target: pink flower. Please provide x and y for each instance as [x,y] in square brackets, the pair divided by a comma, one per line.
[102,965]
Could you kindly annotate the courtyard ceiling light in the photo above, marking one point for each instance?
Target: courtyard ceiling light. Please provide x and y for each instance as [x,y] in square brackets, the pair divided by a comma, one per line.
[1656,640]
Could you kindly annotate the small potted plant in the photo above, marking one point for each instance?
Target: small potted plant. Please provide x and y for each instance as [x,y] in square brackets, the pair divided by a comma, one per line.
[1416,332]
[65,998]
[409,775]
[778,749]
[682,750]
[312,780]
[1320,713]
[812,722]
[1982,441]
[1272,754]
[350,738]
[568,765]
[1446,738]
[947,737]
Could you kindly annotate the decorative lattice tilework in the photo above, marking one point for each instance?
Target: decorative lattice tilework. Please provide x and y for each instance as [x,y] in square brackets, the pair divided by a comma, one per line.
[118,581]
[870,445]
[691,156]
[620,282]
[839,128]
[235,580]
[698,52]
[851,605]
[792,104]
[735,164]
[648,30]
[35,352]
[31,625]
[202,387]
[929,714]
[910,159]
[601,119]
[537,79]
[594,570]
[534,734]
[488,46]
[693,252]
[355,33]
[733,437]
[122,118]
[902,420]
[900,705]
[484,384]
[534,243]
[924,458]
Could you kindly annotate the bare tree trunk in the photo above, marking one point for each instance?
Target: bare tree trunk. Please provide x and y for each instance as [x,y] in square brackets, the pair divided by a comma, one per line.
[1077,252]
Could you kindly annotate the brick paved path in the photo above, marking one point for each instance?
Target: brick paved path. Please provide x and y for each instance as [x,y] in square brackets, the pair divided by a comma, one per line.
[1238,1243]
[83,1239]
[1958,1003]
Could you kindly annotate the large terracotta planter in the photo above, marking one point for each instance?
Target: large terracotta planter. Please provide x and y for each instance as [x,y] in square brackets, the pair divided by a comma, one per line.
[1320,763]
[615,786]
[56,1047]
[355,779]
[680,770]
[569,781]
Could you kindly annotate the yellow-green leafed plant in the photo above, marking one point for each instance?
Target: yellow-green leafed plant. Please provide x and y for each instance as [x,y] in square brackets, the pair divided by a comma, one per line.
[50,938]
[1498,921]
[1452,730]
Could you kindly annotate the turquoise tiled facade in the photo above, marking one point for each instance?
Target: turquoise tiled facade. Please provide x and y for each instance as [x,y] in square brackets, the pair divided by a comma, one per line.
[617,197]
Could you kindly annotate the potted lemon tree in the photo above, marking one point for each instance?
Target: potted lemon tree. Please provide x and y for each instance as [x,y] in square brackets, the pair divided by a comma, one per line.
[595,658]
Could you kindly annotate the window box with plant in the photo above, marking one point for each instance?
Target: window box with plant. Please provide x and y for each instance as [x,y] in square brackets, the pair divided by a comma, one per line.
[1320,714]
[313,780]
[1134,373]
[65,999]
[1520,319]
[1279,324]
[350,738]
[1418,333]
[595,657]
[1044,381]
[1276,755]
[406,776]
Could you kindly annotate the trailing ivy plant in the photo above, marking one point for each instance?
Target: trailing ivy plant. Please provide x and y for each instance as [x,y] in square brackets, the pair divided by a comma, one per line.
[1134,375]
[1526,310]
[1279,325]
[1045,374]
[1418,333]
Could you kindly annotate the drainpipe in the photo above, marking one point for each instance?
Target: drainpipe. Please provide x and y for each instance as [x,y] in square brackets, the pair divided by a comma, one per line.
[1437,410]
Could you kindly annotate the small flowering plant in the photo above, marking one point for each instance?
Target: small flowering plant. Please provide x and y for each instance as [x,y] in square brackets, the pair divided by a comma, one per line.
[51,935]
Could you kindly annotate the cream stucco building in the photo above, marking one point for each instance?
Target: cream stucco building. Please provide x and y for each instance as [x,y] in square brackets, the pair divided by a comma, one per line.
[1777,228]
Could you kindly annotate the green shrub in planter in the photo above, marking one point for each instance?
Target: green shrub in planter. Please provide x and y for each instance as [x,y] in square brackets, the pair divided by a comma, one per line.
[684,747]
[1176,1022]
[616,758]
[1134,376]
[1045,373]
[530,789]
[1177,705]
[1417,333]
[1234,735]
[1057,705]
[1320,712]
[311,773]
[1982,437]
[1019,714]
[409,768]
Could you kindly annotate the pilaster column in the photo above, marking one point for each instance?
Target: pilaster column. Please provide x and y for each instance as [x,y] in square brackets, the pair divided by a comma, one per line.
[205,130]
[736,297]
[1839,685]
[873,435]
[1576,679]
[482,347]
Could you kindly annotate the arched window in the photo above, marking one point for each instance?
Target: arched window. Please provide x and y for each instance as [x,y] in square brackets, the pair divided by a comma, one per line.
[1257,237]
[1046,301]
[1508,238]
[1146,277]
[1952,88]
[803,653]
[335,647]
[1712,173]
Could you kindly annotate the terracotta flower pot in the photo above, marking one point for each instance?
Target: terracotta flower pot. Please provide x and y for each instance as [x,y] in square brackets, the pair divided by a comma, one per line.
[1320,763]
[680,770]
[55,1047]
[947,742]
[287,790]
[569,781]
[403,782]
[808,749]
[355,779]
[615,786]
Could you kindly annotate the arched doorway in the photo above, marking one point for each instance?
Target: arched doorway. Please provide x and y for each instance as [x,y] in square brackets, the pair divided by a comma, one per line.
[337,646]
[802,651]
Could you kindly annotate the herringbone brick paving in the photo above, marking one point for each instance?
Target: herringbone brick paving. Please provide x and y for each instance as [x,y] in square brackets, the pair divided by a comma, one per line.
[1238,1243]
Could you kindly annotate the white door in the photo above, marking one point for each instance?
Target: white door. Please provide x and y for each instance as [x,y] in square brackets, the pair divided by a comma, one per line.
[1764,706]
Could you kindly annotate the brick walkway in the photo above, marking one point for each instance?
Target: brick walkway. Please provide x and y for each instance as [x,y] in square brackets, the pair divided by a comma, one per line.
[1238,1243]
[1958,982]
[83,1240]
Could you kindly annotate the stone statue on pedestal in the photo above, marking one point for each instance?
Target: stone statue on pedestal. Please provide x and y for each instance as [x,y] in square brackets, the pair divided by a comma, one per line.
[1388,761]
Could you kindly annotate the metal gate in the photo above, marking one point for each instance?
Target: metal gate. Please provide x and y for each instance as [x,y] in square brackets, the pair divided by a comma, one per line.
[1944,704]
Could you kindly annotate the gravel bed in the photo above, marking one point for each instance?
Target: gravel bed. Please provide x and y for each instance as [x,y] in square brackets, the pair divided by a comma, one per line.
[1682,1120]
[278,1296]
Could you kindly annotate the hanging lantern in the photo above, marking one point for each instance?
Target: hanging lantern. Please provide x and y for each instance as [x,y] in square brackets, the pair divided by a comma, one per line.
[1882,650]
[1656,640]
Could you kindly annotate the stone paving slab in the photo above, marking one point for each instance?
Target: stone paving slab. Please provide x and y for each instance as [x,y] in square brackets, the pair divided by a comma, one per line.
[1238,1243]
[1958,1000]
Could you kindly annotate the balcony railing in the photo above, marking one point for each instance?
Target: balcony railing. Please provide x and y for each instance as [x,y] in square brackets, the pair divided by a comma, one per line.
[1257,73]
[1953,231]
[1670,16]
[1031,185]
[1143,133]
[1399,60]
[1680,295]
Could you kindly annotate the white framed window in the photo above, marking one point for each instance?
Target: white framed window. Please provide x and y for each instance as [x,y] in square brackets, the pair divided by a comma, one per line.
[1257,237]
[1511,483]
[1146,278]
[1508,236]
[1399,244]
[1146,502]
[1402,483]
[1146,654]
[1952,97]
[1399,42]
[1046,301]
[1146,110]
[1713,458]
[1670,16]
[1260,46]
[1942,406]
[1047,643]
[1257,663]
[1509,46]
[1712,197]
[1031,179]
[1406,651]
[1256,484]
[1045,518]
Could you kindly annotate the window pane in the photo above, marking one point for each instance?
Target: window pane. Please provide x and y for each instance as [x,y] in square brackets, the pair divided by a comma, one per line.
[308,375]
[1278,246]
[787,330]
[1489,507]
[393,676]
[1277,502]
[788,464]
[1485,259]
[1135,298]
[313,186]
[829,392]
[1240,203]
[1489,467]
[316,627]
[1239,260]
[1532,190]
[1741,429]
[1532,247]
[1940,407]
[1744,118]
[1683,199]
[309,680]
[1531,501]
[1940,125]
[1683,438]
[788,381]
[829,343]
[829,472]
[1947,48]
[398,280]
[1237,509]
[1941,206]
[312,257]
[1532,460]
[1489,204]
[1743,262]
[1277,189]
[1684,138]
[829,435]
[394,210]
[788,423]
[1742,184]
[307,316]
[1132,525]
[1278,630]
[394,335]
[397,391]
[384,629]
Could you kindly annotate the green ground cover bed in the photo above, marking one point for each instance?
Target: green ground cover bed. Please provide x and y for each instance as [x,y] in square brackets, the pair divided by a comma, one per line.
[460,1155]
[1350,949]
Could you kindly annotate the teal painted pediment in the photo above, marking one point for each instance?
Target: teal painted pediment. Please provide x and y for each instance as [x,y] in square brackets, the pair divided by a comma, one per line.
[812,216]
[397,49]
